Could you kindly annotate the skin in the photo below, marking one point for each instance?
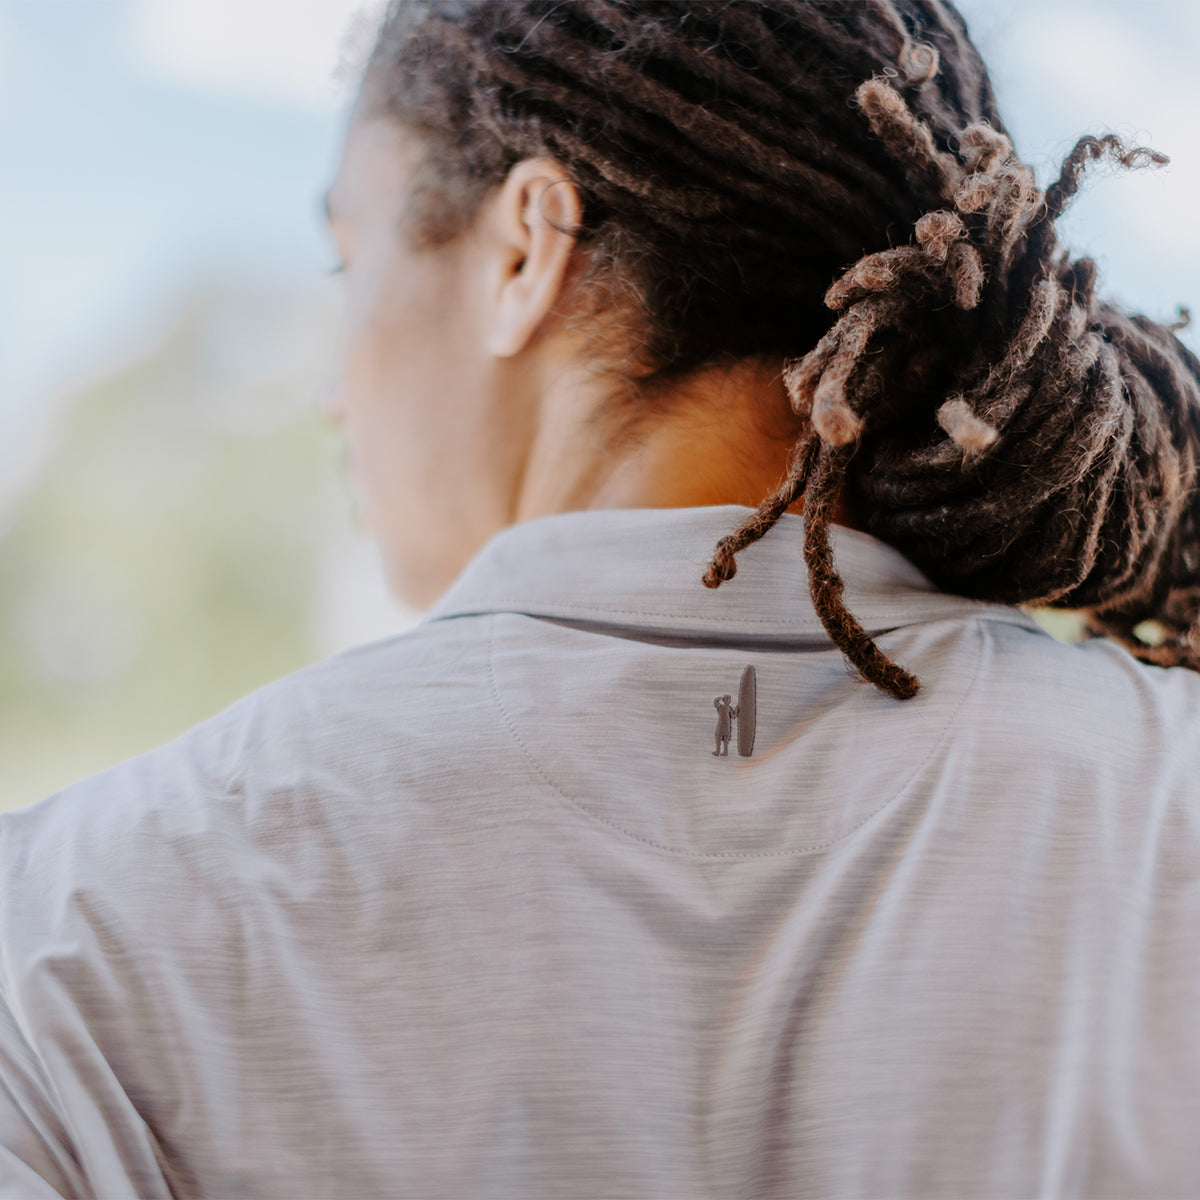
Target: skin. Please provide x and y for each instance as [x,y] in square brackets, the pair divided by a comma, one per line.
[468,402]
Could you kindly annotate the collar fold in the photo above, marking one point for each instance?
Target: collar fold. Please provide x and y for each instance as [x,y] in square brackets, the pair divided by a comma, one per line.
[640,569]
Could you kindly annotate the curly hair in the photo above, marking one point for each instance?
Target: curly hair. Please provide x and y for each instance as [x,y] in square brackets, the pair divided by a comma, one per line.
[828,185]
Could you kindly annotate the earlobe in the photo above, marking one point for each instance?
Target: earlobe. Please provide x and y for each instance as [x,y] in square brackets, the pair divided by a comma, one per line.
[536,216]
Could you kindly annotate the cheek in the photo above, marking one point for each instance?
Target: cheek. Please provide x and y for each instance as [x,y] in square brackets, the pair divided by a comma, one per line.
[387,375]
[391,349]
[405,373]
[382,331]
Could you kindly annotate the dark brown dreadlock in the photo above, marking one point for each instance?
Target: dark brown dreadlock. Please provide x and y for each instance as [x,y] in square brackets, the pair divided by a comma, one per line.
[974,402]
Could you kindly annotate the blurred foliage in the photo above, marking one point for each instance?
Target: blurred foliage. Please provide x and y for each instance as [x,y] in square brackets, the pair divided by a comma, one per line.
[165,559]
[1065,624]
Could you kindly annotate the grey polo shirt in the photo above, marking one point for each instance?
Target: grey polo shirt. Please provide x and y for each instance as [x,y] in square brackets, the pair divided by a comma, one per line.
[483,911]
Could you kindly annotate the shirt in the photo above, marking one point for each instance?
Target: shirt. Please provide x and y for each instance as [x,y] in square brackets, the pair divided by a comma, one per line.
[479,910]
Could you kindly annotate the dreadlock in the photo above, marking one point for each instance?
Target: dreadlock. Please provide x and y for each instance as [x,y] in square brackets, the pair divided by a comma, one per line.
[963,388]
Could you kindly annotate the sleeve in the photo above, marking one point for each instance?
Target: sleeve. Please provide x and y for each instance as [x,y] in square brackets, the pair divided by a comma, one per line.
[36,1159]
[80,874]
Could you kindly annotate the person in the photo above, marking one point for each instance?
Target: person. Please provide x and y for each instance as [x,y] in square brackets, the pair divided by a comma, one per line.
[682,337]
[726,714]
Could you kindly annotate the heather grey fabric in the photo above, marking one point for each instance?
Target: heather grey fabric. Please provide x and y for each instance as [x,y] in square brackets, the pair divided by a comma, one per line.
[475,911]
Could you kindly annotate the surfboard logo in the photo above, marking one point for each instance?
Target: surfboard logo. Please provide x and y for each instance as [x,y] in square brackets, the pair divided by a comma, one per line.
[742,713]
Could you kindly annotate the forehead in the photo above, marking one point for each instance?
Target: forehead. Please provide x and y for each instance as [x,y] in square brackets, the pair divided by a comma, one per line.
[377,164]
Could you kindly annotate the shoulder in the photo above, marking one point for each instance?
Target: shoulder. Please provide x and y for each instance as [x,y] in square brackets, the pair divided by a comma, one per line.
[1090,707]
[1097,678]
[330,713]
[282,769]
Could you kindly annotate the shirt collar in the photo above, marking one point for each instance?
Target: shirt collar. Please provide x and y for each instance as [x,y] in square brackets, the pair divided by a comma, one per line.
[640,569]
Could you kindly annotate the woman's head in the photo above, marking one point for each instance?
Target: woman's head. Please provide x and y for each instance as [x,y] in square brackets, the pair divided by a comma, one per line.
[959,385]
[435,403]
[725,174]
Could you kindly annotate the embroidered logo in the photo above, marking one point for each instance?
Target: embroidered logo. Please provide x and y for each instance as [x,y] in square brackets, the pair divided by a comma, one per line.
[743,713]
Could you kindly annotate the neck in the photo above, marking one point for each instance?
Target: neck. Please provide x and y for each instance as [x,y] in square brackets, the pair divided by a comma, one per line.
[721,437]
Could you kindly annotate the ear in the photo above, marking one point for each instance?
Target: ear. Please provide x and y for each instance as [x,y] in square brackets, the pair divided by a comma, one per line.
[534,219]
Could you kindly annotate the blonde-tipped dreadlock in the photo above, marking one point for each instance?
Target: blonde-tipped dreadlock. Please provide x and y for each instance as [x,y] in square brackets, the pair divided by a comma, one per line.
[970,399]
[950,262]
[1059,390]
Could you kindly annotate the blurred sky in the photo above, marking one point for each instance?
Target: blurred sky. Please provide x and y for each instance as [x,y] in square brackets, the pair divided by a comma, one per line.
[145,146]
[149,144]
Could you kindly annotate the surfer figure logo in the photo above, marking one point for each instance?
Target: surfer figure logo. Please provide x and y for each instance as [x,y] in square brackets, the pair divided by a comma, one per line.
[743,712]
[725,715]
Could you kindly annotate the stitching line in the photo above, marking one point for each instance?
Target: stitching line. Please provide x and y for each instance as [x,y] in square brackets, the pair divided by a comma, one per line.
[718,855]
[494,607]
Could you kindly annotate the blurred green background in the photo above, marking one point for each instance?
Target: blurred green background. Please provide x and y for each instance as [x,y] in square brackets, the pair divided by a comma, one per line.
[173,550]
[175,527]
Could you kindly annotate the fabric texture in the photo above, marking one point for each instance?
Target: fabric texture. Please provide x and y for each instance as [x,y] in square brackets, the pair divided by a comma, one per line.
[476,911]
